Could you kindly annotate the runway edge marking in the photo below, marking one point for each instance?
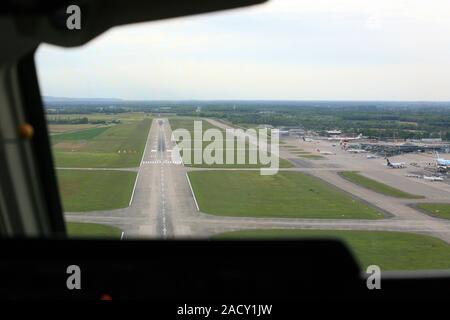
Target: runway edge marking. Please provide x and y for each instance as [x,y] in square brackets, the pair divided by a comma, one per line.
[140,164]
[192,191]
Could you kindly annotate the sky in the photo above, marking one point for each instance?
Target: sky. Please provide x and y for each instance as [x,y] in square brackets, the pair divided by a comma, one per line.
[281,50]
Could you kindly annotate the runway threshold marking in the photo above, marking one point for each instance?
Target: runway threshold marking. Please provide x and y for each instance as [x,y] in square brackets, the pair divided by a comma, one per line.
[161,162]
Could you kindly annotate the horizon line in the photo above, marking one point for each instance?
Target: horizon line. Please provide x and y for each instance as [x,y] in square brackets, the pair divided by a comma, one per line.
[246,99]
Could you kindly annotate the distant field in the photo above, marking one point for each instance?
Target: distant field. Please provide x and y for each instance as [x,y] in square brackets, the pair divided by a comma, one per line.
[61,128]
[92,230]
[389,250]
[440,210]
[82,134]
[119,145]
[188,124]
[286,194]
[95,190]
[376,186]
[124,116]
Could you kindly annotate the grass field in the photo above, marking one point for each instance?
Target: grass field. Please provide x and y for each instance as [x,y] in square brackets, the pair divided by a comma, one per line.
[119,145]
[303,154]
[62,128]
[123,116]
[440,210]
[376,186]
[389,250]
[286,194]
[81,134]
[92,230]
[188,124]
[95,190]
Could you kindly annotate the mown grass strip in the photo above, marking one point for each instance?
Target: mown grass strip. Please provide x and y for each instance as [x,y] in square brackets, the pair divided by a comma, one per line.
[376,186]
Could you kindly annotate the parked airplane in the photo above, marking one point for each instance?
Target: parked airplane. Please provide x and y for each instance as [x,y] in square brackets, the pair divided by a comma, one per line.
[395,165]
[414,176]
[433,178]
[371,156]
[307,139]
[442,162]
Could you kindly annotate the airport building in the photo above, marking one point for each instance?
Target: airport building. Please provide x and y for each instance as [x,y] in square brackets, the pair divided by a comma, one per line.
[333,132]
[391,149]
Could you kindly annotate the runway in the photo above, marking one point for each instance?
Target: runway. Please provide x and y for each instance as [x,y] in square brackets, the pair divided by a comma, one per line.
[163,205]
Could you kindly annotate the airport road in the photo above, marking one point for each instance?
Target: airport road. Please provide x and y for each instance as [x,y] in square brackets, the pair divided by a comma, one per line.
[163,205]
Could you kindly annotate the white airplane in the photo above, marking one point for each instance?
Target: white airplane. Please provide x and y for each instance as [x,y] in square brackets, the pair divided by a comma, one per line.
[345,139]
[433,178]
[307,139]
[371,156]
[326,152]
[442,162]
[395,165]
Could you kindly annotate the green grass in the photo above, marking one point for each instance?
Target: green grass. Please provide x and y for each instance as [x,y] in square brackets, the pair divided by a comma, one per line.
[305,154]
[376,186]
[103,147]
[389,250]
[92,230]
[286,194]
[188,124]
[83,134]
[440,210]
[123,117]
[95,190]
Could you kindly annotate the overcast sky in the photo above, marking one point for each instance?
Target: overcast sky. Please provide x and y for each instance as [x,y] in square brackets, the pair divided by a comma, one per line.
[286,49]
